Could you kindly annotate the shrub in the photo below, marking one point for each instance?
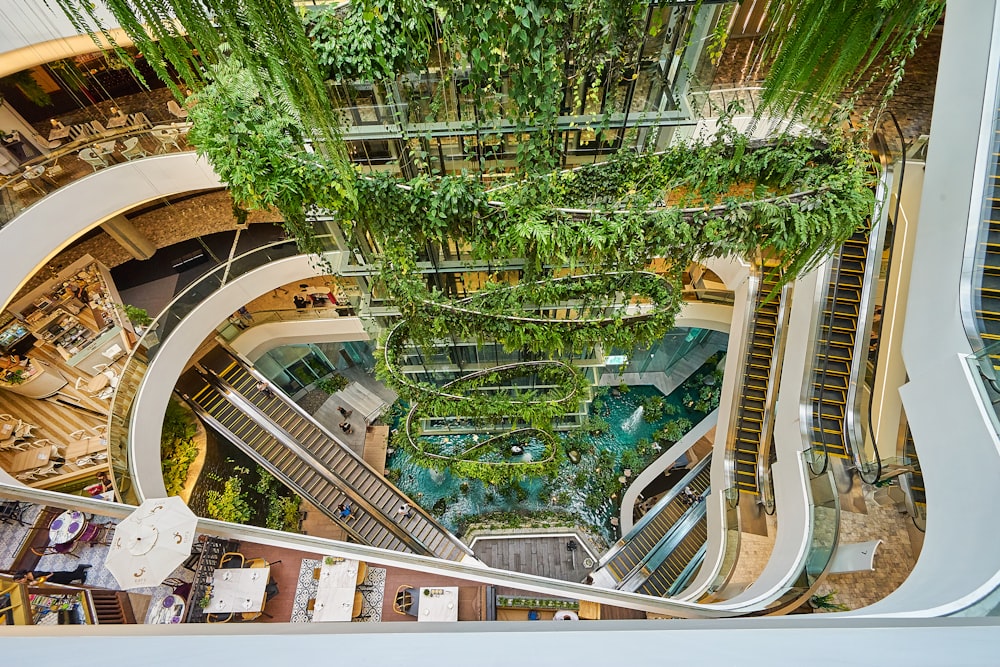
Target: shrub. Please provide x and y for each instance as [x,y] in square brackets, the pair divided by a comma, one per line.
[177,446]
[332,383]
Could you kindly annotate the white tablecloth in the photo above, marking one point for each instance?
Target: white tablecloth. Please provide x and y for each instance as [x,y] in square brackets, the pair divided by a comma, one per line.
[238,590]
[335,593]
[437,604]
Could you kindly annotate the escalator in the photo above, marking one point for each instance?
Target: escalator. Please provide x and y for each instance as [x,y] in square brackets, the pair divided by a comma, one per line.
[841,349]
[627,556]
[753,416]
[673,564]
[302,454]
[986,274]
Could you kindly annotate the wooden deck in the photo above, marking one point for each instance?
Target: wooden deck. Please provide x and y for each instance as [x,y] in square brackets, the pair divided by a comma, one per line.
[544,555]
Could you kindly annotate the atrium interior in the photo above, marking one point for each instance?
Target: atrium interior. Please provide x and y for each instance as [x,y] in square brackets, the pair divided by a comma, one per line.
[498,314]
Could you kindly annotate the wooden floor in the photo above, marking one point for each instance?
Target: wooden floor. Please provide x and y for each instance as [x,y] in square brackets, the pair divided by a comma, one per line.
[58,416]
[543,555]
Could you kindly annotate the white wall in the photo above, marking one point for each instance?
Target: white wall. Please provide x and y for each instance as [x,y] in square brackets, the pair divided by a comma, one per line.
[958,449]
[46,228]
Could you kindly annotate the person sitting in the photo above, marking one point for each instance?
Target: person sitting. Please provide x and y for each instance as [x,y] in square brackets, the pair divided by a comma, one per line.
[300,302]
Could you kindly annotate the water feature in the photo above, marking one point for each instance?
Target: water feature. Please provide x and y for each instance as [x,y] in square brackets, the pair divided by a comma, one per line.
[632,422]
[584,490]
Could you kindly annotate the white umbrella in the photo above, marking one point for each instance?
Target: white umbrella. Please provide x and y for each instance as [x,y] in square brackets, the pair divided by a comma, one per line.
[151,542]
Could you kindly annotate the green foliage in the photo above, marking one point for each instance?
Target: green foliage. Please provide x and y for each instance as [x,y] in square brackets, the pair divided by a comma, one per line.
[821,49]
[178,449]
[333,383]
[231,503]
[136,315]
[283,514]
[255,145]
[369,41]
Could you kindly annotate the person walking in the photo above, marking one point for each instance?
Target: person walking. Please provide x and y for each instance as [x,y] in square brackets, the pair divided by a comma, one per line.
[265,389]
[404,511]
[345,510]
[245,315]
[344,413]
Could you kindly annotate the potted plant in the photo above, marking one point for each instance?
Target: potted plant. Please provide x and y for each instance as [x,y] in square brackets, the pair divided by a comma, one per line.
[826,602]
[137,316]
[205,600]
[15,376]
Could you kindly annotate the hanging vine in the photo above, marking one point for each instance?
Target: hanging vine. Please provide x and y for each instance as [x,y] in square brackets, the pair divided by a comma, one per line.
[818,50]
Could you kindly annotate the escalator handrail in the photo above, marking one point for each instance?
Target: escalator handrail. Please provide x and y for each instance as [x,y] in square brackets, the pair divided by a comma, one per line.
[239,401]
[360,462]
[666,547]
[649,516]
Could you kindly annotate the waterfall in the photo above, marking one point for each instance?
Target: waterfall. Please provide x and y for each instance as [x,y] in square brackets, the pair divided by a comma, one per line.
[633,420]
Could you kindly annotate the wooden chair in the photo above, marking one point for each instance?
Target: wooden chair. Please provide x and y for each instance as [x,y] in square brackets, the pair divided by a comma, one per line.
[232,560]
[219,618]
[359,602]
[403,600]
[362,572]
[52,549]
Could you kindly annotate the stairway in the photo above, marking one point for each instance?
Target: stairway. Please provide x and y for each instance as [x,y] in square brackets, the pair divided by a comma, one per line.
[633,549]
[837,353]
[752,419]
[313,462]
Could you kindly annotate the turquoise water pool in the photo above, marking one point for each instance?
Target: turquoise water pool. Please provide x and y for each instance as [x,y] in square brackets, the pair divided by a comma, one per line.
[583,490]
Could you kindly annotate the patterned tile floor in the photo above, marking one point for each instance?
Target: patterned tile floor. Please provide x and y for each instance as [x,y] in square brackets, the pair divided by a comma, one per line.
[373,592]
[12,536]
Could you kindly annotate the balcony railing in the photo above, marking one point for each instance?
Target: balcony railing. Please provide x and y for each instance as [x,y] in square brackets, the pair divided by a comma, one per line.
[43,175]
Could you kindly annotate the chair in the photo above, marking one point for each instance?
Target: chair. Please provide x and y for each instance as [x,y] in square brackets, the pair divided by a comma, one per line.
[362,572]
[97,128]
[270,591]
[93,159]
[78,434]
[403,600]
[52,549]
[95,533]
[359,602]
[132,148]
[166,137]
[259,562]
[54,169]
[232,560]
[176,109]
[219,618]
[139,119]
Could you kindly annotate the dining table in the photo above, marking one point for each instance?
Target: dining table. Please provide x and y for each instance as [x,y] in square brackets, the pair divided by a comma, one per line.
[30,459]
[84,447]
[58,133]
[168,610]
[67,527]
[437,604]
[335,591]
[238,590]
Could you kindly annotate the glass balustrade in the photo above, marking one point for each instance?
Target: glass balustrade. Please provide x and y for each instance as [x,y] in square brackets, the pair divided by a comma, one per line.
[160,330]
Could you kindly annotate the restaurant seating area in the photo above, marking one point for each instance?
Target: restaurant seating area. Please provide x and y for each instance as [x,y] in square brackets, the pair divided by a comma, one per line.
[226,581]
